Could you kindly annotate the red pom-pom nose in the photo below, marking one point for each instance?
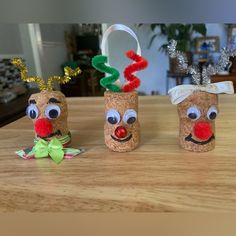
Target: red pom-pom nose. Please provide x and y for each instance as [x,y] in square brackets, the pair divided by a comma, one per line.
[121,132]
[202,130]
[43,127]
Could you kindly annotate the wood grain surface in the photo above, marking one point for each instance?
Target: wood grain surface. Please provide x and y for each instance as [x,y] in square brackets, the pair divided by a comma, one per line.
[159,176]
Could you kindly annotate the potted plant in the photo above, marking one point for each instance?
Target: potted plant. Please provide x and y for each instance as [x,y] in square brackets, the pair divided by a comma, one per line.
[183,34]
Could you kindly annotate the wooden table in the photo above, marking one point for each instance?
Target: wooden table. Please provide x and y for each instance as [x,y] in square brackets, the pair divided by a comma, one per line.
[158,176]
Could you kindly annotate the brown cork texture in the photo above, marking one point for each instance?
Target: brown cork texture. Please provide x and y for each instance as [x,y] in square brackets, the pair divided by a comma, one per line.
[121,102]
[203,101]
[59,123]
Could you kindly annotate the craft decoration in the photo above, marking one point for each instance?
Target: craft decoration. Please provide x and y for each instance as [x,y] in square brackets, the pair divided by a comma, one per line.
[48,111]
[198,103]
[122,128]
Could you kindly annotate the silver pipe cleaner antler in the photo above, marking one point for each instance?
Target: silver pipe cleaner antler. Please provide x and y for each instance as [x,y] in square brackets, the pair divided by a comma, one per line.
[201,77]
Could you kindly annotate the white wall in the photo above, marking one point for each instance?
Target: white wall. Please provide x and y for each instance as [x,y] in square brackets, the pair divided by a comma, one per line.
[155,74]
[53,52]
[10,42]
[30,50]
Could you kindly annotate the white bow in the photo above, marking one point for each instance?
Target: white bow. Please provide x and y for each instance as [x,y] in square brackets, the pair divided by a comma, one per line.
[181,92]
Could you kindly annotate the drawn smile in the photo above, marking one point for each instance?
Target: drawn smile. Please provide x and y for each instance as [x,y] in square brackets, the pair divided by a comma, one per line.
[189,138]
[122,140]
[58,132]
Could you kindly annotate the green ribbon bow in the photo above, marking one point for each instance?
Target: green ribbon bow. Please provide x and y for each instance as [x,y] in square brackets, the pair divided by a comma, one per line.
[54,149]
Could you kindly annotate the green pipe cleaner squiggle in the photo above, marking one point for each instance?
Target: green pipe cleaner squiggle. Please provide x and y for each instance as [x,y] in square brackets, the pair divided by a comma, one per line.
[98,63]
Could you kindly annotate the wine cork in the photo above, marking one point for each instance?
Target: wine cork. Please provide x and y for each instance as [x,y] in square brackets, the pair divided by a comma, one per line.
[45,101]
[191,137]
[122,103]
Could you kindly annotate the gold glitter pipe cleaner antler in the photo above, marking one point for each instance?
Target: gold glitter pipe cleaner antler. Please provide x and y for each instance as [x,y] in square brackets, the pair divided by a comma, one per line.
[24,74]
[68,73]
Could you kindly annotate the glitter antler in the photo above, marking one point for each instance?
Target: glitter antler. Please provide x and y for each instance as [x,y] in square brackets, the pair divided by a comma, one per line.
[68,73]
[223,62]
[24,74]
[181,57]
[41,83]
[201,77]
[183,62]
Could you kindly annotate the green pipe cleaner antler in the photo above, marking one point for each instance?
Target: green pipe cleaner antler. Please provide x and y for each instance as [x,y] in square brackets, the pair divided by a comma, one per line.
[98,63]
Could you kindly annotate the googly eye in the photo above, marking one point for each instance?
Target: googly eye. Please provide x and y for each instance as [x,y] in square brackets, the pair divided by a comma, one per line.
[130,116]
[32,111]
[212,113]
[52,111]
[193,113]
[113,116]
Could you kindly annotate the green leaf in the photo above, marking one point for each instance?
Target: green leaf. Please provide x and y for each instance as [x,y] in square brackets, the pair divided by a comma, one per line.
[200,28]
[163,48]
[163,29]
[153,26]
[182,33]
[151,40]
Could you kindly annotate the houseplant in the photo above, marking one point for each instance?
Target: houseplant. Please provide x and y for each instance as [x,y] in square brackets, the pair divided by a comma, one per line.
[183,34]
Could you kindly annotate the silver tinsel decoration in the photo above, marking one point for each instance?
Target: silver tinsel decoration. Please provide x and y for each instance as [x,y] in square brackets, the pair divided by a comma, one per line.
[201,77]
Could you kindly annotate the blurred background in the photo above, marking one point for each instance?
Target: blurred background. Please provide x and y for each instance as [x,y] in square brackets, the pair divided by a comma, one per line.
[48,48]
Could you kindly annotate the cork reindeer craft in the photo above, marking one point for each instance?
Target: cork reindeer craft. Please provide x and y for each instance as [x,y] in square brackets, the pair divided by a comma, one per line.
[122,128]
[48,111]
[198,103]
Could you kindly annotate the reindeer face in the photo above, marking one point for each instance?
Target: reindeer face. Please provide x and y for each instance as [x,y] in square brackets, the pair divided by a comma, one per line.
[121,125]
[197,114]
[48,110]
